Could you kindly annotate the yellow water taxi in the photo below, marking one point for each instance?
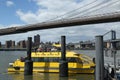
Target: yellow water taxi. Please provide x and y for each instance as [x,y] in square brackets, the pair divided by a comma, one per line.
[49,62]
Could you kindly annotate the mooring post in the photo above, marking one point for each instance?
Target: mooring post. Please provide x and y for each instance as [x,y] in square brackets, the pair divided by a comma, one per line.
[28,69]
[63,67]
[99,58]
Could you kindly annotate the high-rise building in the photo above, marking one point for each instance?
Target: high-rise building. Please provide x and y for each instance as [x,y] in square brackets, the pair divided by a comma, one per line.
[37,40]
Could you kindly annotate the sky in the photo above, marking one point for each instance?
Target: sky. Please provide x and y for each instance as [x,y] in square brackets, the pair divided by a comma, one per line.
[23,12]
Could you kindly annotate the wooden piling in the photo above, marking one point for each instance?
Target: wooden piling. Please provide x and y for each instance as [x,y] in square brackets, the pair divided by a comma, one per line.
[28,69]
[63,67]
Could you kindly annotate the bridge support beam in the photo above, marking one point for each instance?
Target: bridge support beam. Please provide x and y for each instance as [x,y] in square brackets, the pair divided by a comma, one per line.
[28,69]
[63,67]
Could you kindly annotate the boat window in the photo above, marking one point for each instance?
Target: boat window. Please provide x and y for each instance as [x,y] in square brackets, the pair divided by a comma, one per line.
[37,59]
[54,59]
[71,59]
[79,60]
[45,59]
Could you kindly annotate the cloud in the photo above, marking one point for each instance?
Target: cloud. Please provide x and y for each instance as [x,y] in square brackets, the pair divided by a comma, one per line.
[9,3]
[27,17]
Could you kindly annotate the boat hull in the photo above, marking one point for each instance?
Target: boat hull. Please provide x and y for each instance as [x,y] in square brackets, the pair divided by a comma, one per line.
[54,70]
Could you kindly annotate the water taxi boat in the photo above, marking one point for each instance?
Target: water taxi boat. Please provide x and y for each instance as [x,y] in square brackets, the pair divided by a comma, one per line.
[49,62]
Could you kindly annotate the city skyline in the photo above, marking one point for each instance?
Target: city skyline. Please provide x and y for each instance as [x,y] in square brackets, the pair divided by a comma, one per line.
[21,43]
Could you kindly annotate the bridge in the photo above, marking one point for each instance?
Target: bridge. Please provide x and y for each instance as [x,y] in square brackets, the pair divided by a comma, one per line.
[84,20]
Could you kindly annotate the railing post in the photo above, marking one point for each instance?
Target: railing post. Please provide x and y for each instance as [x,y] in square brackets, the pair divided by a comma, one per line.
[28,69]
[63,67]
[99,58]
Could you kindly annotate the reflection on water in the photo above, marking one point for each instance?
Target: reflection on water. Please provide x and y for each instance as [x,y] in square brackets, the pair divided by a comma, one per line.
[51,76]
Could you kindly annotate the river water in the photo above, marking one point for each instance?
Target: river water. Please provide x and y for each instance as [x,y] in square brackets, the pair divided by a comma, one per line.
[9,56]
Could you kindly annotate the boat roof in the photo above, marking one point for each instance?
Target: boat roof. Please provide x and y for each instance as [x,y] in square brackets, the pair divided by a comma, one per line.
[54,54]
[57,45]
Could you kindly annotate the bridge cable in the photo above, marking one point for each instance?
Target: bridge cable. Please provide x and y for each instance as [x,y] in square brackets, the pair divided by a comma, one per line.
[83,11]
[102,6]
[76,10]
[107,33]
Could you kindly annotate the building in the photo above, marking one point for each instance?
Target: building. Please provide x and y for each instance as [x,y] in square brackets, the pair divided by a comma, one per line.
[22,44]
[107,43]
[37,40]
[0,45]
[7,44]
[87,45]
[72,46]
[81,45]
[10,44]
[13,44]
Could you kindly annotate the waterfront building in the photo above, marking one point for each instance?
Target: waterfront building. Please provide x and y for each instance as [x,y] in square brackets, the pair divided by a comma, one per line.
[22,44]
[10,44]
[87,44]
[7,44]
[81,45]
